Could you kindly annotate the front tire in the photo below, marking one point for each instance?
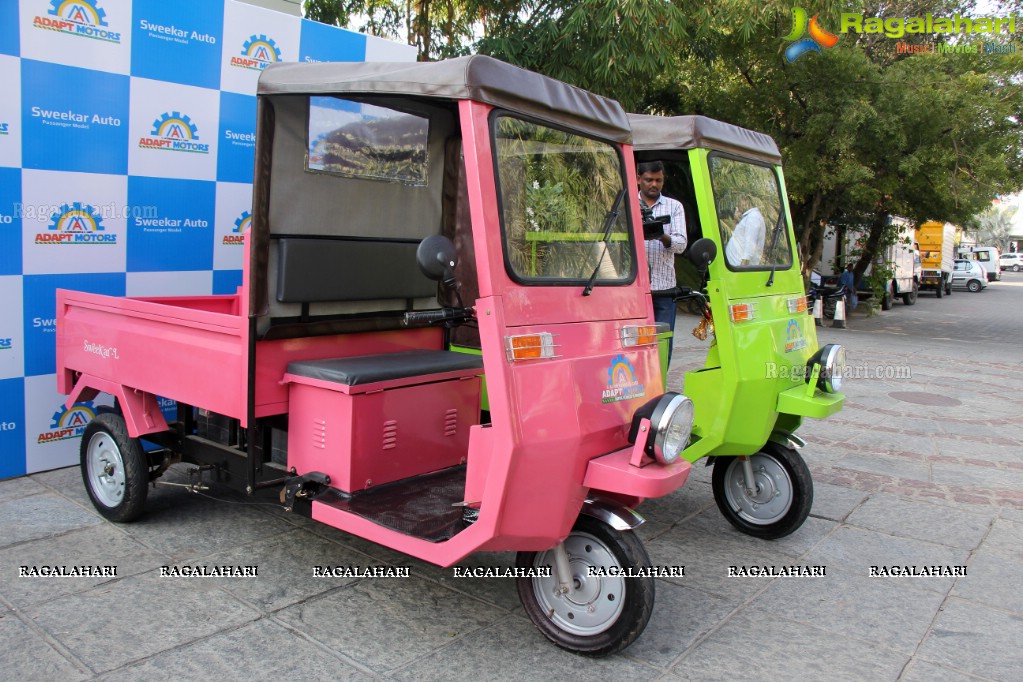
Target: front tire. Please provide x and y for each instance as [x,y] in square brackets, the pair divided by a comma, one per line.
[910,298]
[605,613]
[114,468]
[886,300]
[783,497]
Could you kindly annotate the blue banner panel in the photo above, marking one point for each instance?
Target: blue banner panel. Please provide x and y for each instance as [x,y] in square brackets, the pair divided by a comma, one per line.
[12,428]
[79,128]
[41,312]
[323,43]
[9,38]
[177,41]
[237,138]
[226,281]
[171,224]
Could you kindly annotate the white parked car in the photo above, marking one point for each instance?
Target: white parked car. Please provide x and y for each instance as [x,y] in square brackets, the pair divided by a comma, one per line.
[1010,261]
[969,274]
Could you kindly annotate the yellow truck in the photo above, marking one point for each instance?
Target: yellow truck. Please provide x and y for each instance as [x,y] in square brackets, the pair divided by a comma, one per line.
[937,253]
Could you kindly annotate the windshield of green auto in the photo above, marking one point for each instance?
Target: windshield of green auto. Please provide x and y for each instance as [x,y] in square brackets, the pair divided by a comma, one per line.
[557,195]
[750,215]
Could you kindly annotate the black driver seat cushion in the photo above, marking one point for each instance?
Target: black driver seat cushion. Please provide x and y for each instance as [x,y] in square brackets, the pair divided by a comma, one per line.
[368,369]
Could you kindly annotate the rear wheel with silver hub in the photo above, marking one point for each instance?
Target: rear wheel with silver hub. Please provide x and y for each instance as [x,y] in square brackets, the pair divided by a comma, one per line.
[114,468]
[780,499]
[597,611]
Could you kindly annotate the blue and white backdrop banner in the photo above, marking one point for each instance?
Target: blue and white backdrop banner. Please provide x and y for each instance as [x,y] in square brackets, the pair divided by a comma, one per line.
[127,133]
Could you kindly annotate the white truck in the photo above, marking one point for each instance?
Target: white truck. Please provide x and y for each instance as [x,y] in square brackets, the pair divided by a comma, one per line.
[988,256]
[902,259]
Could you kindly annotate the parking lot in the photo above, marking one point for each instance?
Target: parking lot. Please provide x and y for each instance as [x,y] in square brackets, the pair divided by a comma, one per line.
[922,468]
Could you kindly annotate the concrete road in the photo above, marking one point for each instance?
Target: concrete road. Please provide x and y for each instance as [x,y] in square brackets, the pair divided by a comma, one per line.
[924,467]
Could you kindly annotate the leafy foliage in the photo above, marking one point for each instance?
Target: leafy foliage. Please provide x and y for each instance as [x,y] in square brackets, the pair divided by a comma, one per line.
[866,131]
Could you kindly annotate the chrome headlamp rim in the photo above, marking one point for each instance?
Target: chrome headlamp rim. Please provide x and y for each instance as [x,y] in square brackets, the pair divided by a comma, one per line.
[832,371]
[662,422]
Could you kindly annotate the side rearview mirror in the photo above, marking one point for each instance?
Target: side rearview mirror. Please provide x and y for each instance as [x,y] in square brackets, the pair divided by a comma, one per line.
[436,258]
[703,252]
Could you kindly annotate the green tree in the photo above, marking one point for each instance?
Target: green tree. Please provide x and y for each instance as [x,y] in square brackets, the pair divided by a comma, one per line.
[438,28]
[612,47]
[866,132]
[994,226]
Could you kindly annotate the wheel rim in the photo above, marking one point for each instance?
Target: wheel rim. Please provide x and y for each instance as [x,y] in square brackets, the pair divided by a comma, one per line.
[596,602]
[106,470]
[773,497]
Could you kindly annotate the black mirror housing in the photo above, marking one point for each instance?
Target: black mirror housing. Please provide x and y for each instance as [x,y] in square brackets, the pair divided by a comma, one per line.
[436,258]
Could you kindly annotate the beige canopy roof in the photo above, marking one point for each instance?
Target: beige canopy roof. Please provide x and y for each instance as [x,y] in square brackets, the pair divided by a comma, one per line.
[651,133]
[477,78]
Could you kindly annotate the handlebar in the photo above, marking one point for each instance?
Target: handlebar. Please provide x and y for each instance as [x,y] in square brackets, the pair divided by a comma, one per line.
[435,316]
[684,293]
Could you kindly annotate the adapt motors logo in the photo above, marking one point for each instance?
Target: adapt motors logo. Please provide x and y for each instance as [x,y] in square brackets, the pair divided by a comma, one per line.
[794,339]
[237,236]
[82,18]
[68,423]
[74,224]
[174,132]
[257,53]
[622,383]
[818,40]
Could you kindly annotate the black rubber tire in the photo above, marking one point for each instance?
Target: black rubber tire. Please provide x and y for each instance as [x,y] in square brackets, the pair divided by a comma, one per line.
[973,285]
[940,291]
[108,436]
[910,298]
[948,287]
[1015,268]
[628,552]
[798,481]
[886,300]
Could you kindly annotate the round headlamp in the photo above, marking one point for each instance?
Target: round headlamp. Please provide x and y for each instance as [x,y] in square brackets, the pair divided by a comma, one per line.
[831,359]
[671,423]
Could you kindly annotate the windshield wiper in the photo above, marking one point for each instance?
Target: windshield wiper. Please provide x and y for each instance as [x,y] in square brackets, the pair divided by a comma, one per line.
[609,222]
[774,241]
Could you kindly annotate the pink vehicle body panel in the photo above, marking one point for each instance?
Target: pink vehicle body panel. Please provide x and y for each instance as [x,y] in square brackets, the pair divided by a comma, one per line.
[554,438]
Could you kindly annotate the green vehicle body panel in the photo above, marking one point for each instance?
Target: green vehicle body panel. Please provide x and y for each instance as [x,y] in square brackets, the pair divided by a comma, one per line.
[751,388]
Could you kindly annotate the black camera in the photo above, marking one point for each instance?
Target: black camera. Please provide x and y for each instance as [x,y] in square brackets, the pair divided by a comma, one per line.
[653,226]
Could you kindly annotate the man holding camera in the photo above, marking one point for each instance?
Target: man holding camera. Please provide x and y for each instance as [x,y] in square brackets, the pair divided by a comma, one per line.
[664,244]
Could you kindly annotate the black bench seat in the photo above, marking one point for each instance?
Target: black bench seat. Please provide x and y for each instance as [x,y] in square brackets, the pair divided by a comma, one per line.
[370,369]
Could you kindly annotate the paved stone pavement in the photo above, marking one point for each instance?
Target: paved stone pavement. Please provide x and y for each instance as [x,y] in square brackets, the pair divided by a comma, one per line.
[923,467]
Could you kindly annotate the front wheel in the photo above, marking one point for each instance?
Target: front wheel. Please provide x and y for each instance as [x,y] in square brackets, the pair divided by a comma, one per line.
[783,495]
[114,468]
[1015,268]
[605,611]
[909,298]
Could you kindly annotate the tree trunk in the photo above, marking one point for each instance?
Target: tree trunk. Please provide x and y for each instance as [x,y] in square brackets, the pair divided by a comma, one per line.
[878,225]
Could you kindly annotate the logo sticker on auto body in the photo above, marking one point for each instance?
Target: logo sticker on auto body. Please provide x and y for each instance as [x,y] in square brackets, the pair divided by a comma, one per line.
[794,339]
[622,383]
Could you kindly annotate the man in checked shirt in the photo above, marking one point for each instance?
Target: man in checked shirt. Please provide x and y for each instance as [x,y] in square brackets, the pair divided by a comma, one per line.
[661,251]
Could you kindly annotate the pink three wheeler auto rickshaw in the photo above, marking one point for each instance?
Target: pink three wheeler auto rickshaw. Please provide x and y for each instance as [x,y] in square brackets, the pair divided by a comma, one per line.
[378,188]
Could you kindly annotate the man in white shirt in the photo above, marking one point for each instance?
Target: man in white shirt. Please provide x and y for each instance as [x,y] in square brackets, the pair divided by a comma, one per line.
[661,250]
[746,245]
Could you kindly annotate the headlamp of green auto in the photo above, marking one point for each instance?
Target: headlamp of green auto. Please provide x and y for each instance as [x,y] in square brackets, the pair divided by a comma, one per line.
[671,423]
[831,360]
